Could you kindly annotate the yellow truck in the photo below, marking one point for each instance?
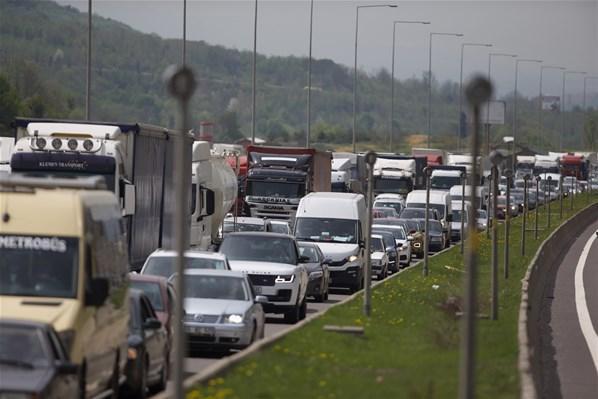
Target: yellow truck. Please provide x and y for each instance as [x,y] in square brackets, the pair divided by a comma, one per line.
[63,261]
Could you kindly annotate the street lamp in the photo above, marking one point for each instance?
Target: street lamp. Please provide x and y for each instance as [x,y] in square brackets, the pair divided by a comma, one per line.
[563,106]
[308,130]
[538,178]
[585,109]
[514,162]
[525,213]
[488,105]
[428,173]
[355,68]
[542,68]
[463,45]
[496,159]
[509,176]
[253,73]
[432,34]
[463,176]
[392,80]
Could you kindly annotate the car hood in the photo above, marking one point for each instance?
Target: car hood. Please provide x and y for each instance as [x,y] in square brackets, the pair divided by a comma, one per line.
[253,267]
[377,255]
[338,251]
[457,225]
[59,312]
[20,379]
[215,306]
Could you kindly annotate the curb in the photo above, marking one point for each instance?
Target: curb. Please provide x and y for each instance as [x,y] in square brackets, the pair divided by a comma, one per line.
[228,362]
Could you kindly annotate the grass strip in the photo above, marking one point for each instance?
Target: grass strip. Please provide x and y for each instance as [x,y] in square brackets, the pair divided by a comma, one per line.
[411,344]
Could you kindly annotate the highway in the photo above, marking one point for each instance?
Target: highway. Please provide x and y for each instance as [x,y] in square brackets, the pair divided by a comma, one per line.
[274,324]
[571,339]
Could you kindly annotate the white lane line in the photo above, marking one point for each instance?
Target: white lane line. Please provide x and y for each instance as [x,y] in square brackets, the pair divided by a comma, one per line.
[583,313]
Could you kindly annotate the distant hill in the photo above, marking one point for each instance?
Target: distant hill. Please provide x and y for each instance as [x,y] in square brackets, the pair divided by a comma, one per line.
[43,57]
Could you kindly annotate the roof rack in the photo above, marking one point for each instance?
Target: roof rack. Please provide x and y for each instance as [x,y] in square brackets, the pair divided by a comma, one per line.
[85,183]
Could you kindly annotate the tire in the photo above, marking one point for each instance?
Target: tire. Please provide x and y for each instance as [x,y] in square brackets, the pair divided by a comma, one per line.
[319,298]
[303,310]
[114,380]
[82,380]
[292,316]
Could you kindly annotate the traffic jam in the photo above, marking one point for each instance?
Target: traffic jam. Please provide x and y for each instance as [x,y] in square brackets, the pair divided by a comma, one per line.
[89,277]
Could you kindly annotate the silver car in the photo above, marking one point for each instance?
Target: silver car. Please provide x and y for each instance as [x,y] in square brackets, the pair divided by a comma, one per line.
[221,310]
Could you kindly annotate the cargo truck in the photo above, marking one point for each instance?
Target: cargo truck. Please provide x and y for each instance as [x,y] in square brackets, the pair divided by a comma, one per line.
[399,174]
[547,164]
[278,177]
[432,155]
[135,160]
[574,165]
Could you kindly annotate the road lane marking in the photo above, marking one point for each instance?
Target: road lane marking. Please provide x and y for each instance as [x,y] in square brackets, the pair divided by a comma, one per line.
[583,313]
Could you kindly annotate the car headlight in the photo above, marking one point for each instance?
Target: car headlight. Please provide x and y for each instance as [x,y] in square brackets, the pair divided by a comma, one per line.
[68,339]
[352,258]
[285,278]
[233,319]
[316,274]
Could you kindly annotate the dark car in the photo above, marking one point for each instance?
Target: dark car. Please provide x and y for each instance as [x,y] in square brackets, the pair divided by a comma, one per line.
[148,354]
[391,248]
[161,294]
[418,213]
[34,363]
[317,270]
[436,236]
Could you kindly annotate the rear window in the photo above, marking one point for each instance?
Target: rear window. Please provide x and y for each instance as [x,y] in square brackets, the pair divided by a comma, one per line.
[152,291]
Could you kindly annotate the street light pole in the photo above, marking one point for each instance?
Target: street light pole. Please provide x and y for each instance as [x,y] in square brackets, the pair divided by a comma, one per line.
[514,161]
[308,131]
[537,206]
[426,269]
[253,73]
[490,55]
[392,79]
[525,213]
[495,158]
[462,233]
[585,109]
[184,52]
[509,175]
[355,68]
[432,34]
[88,72]
[463,45]
[564,106]
[540,126]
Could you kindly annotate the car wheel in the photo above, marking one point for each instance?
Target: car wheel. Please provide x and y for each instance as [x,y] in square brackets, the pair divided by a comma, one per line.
[253,334]
[292,316]
[319,298]
[115,379]
[82,380]
[303,310]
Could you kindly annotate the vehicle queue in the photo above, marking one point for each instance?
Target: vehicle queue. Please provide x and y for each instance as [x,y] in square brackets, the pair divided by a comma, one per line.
[66,273]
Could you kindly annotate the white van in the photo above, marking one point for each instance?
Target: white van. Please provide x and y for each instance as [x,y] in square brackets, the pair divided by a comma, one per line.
[439,200]
[336,222]
[480,195]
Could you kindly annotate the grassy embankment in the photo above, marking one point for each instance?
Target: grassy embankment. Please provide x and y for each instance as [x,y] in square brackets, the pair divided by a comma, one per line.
[411,344]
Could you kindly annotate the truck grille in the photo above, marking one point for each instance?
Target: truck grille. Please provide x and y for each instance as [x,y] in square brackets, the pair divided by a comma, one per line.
[262,279]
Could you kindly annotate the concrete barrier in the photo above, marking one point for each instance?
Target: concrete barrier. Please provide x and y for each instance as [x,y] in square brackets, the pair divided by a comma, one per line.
[539,278]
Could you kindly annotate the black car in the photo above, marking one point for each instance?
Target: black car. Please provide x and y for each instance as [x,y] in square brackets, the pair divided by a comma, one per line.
[436,236]
[148,353]
[391,248]
[317,270]
[418,213]
[34,363]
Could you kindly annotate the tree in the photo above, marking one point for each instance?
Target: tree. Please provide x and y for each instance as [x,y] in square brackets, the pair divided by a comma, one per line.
[9,103]
[229,126]
[591,130]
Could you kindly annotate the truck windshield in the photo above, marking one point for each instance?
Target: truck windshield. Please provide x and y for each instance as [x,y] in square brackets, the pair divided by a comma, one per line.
[396,186]
[444,182]
[108,177]
[326,230]
[376,245]
[274,189]
[457,216]
[259,248]
[39,266]
[439,208]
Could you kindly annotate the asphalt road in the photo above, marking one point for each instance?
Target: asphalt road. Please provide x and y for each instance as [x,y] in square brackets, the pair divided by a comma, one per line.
[274,324]
[573,369]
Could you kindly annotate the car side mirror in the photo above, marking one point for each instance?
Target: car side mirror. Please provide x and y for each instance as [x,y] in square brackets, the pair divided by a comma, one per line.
[151,323]
[328,261]
[304,259]
[67,368]
[409,238]
[96,292]
[261,299]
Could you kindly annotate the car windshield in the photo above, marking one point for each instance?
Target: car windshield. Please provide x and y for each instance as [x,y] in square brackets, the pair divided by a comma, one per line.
[260,248]
[444,182]
[412,213]
[397,233]
[39,266]
[309,252]
[394,205]
[386,212]
[482,214]
[376,245]
[281,228]
[22,347]
[389,185]
[439,208]
[457,216]
[152,291]
[215,287]
[229,227]
[274,189]
[326,230]
[435,226]
[165,265]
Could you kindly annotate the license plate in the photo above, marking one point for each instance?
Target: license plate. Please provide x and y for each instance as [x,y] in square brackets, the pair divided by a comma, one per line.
[206,331]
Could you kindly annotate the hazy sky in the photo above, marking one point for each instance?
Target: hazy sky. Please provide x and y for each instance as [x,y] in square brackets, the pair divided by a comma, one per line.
[563,33]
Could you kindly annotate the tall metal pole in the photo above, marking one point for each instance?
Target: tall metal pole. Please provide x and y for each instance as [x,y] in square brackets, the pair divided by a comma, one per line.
[355,68]
[509,175]
[308,131]
[537,207]
[370,159]
[525,213]
[88,72]
[585,108]
[494,255]
[253,73]
[561,197]
[564,106]
[430,79]
[488,206]
[490,55]
[181,85]
[462,232]
[477,93]
[426,269]
[461,89]
[541,127]
[549,200]
[184,55]
[514,161]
